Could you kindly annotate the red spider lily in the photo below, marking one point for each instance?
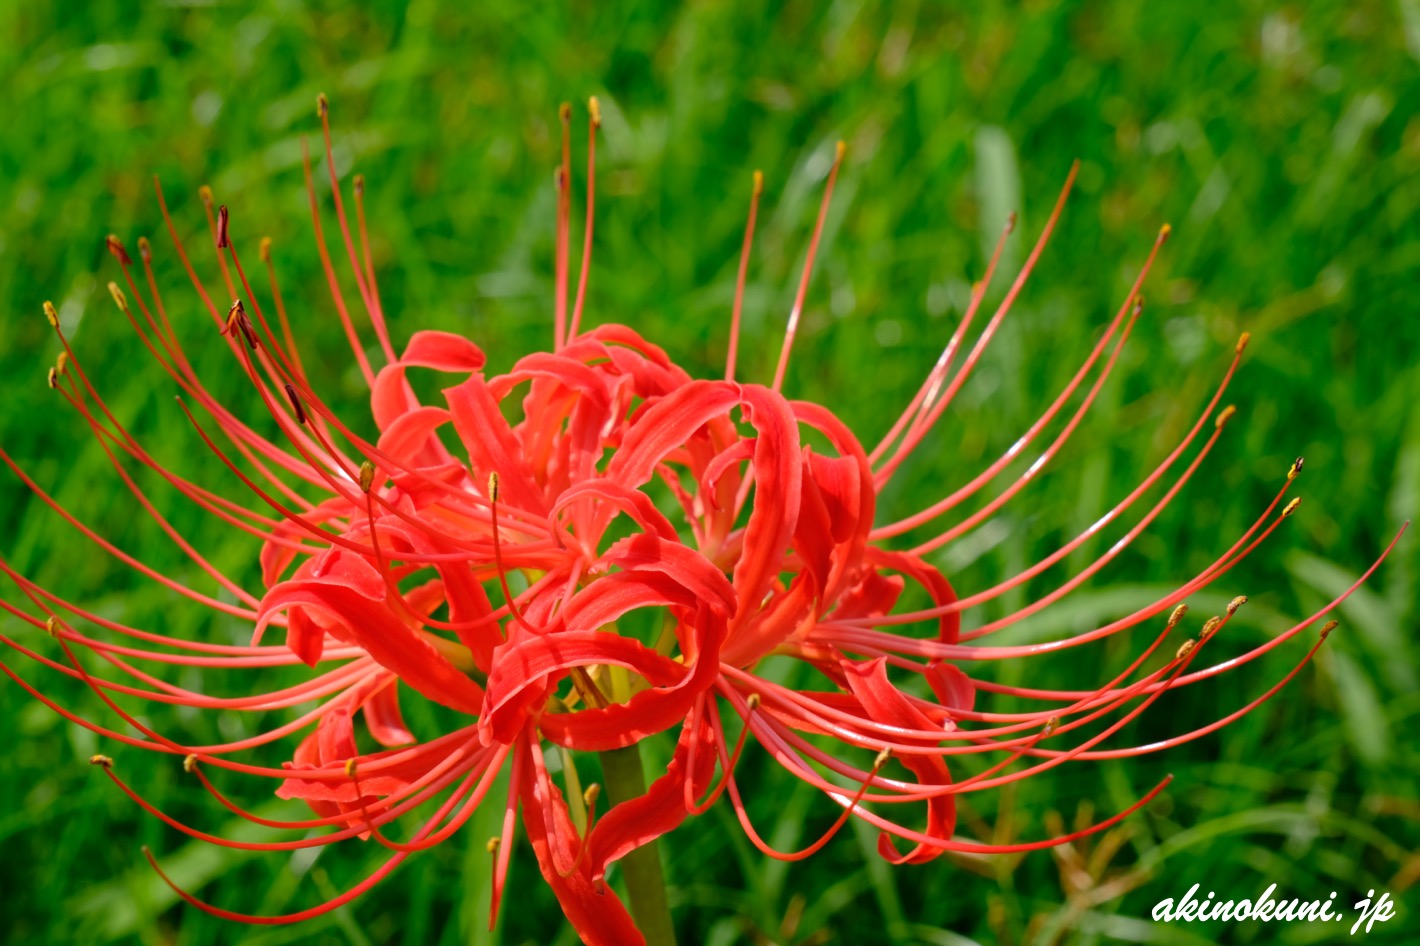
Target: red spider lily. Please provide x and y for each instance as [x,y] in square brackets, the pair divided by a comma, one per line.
[388,566]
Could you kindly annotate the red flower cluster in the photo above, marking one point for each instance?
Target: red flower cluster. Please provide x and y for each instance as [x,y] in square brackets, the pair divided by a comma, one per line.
[487,565]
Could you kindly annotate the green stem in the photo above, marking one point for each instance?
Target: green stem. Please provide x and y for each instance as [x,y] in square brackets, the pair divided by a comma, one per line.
[645,880]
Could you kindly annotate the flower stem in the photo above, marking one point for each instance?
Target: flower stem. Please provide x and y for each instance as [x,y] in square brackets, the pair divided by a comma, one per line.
[645,880]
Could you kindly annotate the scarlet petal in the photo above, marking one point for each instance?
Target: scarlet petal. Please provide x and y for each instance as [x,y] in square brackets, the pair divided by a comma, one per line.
[443,351]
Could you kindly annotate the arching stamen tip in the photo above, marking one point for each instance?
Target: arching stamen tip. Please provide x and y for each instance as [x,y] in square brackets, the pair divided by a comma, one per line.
[1177,616]
[590,796]
[101,760]
[359,183]
[367,476]
[1327,628]
[115,246]
[1225,416]
[1138,304]
[1051,724]
[53,377]
[51,313]
[839,150]
[1236,603]
[492,845]
[204,193]
[882,758]
[145,249]
[222,220]
[119,299]
[264,249]
[1296,469]
[758,182]
[753,701]
[1243,339]
[1164,231]
[295,400]
[1291,507]
[322,105]
[564,112]
[595,108]
[1209,626]
[1011,219]
[189,764]
[350,767]
[52,626]
[1185,649]
[493,486]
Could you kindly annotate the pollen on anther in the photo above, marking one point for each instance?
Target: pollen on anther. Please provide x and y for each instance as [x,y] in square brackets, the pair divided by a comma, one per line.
[1185,649]
[493,486]
[145,249]
[564,112]
[102,760]
[1224,416]
[753,701]
[1296,468]
[189,764]
[322,105]
[1209,626]
[115,246]
[264,249]
[492,845]
[595,108]
[52,626]
[51,313]
[1177,616]
[119,298]
[758,182]
[53,377]
[1243,339]
[1328,627]
[1236,603]
[204,193]
[1291,507]
[882,758]
[1051,724]
[350,767]
[367,476]
[590,796]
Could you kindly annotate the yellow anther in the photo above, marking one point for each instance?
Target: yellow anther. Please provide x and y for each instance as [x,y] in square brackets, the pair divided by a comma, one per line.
[753,701]
[492,845]
[1185,649]
[493,486]
[359,183]
[1243,339]
[1291,507]
[1236,603]
[322,106]
[758,182]
[62,362]
[52,626]
[1328,627]
[1165,230]
[1296,469]
[189,764]
[1051,724]
[595,108]
[564,112]
[839,150]
[1224,416]
[205,194]
[1209,626]
[350,767]
[590,796]
[53,377]
[102,760]
[882,758]
[119,298]
[1177,616]
[367,476]
[51,313]
[146,249]
[264,249]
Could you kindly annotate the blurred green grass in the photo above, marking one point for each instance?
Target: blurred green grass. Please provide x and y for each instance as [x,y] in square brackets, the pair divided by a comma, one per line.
[1279,140]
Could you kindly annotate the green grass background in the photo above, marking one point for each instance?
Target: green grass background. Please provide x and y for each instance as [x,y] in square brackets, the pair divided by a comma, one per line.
[1280,140]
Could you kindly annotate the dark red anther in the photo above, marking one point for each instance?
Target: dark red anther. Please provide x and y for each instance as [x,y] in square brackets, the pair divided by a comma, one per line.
[296,403]
[115,246]
[222,227]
